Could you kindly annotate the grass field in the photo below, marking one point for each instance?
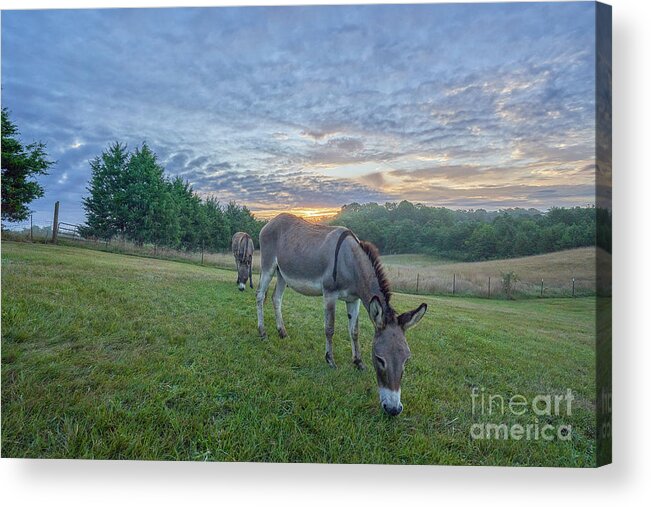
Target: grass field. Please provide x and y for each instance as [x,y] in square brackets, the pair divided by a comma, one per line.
[557,269]
[122,357]
[426,274]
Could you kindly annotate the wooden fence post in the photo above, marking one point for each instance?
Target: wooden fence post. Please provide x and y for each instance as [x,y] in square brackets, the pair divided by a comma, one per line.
[31,226]
[202,247]
[572,287]
[542,286]
[55,225]
[489,287]
[454,283]
[417,281]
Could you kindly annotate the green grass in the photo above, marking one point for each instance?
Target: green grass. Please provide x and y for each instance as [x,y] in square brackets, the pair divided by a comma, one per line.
[119,357]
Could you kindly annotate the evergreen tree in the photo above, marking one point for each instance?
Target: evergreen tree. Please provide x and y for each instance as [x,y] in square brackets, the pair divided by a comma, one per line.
[152,213]
[130,196]
[218,233]
[193,220]
[240,218]
[20,164]
[106,215]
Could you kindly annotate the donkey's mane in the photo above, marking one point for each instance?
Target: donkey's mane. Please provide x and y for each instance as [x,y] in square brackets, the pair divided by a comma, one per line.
[244,242]
[242,251]
[374,256]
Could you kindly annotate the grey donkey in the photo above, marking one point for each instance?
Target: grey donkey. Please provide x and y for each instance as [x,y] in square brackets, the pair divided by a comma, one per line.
[242,246]
[320,260]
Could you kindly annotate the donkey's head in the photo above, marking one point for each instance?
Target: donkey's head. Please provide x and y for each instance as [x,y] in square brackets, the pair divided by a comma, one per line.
[243,272]
[390,351]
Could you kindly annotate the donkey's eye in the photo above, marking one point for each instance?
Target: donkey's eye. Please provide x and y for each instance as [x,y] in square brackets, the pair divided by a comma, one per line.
[381,362]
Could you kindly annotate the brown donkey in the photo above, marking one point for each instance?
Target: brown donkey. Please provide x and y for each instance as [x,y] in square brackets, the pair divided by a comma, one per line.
[242,245]
[317,260]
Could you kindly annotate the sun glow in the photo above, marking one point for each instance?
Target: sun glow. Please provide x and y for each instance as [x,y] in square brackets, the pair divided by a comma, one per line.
[310,214]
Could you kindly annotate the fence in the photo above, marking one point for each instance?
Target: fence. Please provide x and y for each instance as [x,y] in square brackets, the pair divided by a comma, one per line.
[218,259]
[471,279]
[37,227]
[403,278]
[69,231]
[489,286]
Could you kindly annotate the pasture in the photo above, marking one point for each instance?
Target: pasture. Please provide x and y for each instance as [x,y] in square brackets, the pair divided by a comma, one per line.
[426,274]
[556,269]
[110,356]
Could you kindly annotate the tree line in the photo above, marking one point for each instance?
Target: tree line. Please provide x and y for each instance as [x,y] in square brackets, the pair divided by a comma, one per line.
[130,197]
[475,235]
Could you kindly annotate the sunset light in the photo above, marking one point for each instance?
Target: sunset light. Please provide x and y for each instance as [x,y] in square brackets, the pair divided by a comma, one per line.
[309,214]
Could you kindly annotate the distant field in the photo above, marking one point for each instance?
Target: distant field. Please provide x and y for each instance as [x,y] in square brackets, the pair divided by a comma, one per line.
[556,269]
[433,275]
[124,357]
[413,260]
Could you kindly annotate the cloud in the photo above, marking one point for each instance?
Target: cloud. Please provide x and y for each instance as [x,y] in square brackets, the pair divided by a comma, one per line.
[315,106]
[375,179]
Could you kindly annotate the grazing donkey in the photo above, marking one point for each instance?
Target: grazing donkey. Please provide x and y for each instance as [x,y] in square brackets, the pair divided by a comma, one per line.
[317,260]
[242,245]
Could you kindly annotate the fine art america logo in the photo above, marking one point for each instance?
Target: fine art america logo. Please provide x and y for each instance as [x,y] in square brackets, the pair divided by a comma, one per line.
[539,410]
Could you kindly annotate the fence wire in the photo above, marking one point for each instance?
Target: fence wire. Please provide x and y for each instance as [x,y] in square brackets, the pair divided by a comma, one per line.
[403,278]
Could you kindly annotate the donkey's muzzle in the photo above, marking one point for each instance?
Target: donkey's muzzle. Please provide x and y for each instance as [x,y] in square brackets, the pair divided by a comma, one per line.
[390,401]
[392,411]
[241,286]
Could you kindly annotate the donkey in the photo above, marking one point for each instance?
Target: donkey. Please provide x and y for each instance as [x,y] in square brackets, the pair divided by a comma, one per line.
[242,245]
[319,260]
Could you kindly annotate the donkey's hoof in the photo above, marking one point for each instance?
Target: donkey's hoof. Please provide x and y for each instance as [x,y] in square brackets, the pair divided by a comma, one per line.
[359,364]
[263,333]
[282,333]
[330,360]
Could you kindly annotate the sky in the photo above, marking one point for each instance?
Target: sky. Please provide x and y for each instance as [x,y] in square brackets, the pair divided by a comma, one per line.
[305,109]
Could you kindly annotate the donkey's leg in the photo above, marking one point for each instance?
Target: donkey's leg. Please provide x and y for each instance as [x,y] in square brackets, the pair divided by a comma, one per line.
[251,274]
[330,303]
[277,299]
[353,331]
[265,279]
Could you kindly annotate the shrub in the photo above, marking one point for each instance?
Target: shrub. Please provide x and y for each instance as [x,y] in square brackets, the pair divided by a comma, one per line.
[509,279]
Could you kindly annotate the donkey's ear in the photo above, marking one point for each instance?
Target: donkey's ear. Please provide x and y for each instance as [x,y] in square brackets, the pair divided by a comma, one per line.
[409,319]
[376,313]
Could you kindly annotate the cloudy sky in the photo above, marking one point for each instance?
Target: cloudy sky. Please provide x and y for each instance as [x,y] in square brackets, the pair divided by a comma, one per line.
[308,108]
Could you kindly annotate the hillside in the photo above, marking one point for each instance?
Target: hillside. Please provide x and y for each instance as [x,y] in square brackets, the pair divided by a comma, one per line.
[556,269]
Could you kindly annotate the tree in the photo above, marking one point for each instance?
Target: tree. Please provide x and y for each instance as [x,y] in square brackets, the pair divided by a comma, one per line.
[130,197]
[152,213]
[240,218]
[218,233]
[472,235]
[105,215]
[20,164]
[193,218]
[483,242]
